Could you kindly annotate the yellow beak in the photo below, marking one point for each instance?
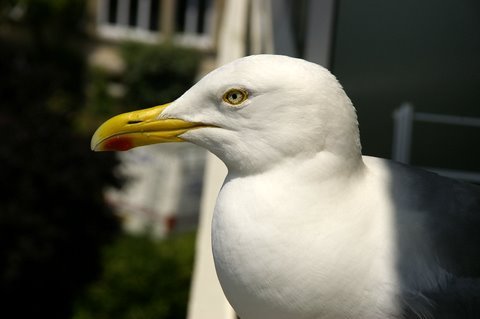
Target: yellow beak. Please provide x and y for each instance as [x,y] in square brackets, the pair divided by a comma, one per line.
[137,128]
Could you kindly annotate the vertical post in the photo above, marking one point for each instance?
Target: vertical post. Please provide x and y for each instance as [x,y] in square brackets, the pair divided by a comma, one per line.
[191,17]
[102,11]
[209,21]
[261,29]
[122,12]
[402,133]
[233,31]
[143,14]
[218,9]
[282,24]
[320,26]
[167,13]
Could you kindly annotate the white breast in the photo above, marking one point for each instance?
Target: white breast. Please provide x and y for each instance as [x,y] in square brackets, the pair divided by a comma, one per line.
[299,250]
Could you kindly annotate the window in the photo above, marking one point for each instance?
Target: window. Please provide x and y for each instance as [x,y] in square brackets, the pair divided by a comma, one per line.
[188,22]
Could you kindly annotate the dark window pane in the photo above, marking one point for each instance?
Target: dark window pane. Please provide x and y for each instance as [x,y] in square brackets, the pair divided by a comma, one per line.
[132,13]
[202,6]
[112,11]
[180,16]
[154,15]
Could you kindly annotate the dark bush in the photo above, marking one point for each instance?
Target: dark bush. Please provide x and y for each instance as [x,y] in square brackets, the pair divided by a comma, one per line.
[53,220]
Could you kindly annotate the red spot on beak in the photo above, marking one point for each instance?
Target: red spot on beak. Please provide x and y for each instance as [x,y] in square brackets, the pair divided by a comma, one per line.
[118,143]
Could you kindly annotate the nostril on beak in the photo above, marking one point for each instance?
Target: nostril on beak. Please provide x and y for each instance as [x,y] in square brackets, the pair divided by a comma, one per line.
[134,122]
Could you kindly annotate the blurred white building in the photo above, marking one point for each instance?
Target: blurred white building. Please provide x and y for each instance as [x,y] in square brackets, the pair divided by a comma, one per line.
[162,190]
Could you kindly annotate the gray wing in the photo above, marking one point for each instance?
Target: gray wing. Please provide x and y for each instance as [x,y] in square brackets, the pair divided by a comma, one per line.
[450,215]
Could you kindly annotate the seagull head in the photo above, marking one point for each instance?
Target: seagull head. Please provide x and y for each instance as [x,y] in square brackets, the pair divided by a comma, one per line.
[252,113]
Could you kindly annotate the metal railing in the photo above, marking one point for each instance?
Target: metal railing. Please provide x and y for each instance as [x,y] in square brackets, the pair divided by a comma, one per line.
[404,118]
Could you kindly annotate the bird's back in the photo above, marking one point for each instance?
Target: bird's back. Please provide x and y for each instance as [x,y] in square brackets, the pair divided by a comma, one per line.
[437,238]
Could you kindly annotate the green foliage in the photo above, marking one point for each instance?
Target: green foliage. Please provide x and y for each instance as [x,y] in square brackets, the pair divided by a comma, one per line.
[53,220]
[100,103]
[141,279]
[157,74]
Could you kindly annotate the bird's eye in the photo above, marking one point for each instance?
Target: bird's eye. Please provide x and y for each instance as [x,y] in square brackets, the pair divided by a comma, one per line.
[235,96]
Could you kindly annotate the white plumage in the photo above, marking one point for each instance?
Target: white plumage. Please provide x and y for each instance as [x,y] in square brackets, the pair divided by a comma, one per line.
[305,226]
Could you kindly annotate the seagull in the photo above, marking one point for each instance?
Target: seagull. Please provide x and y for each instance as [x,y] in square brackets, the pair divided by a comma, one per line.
[305,226]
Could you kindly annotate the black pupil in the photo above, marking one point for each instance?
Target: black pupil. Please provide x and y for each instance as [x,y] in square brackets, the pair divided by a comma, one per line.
[234,96]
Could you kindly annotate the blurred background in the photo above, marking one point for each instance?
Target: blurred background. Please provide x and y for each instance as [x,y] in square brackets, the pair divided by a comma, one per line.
[103,235]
